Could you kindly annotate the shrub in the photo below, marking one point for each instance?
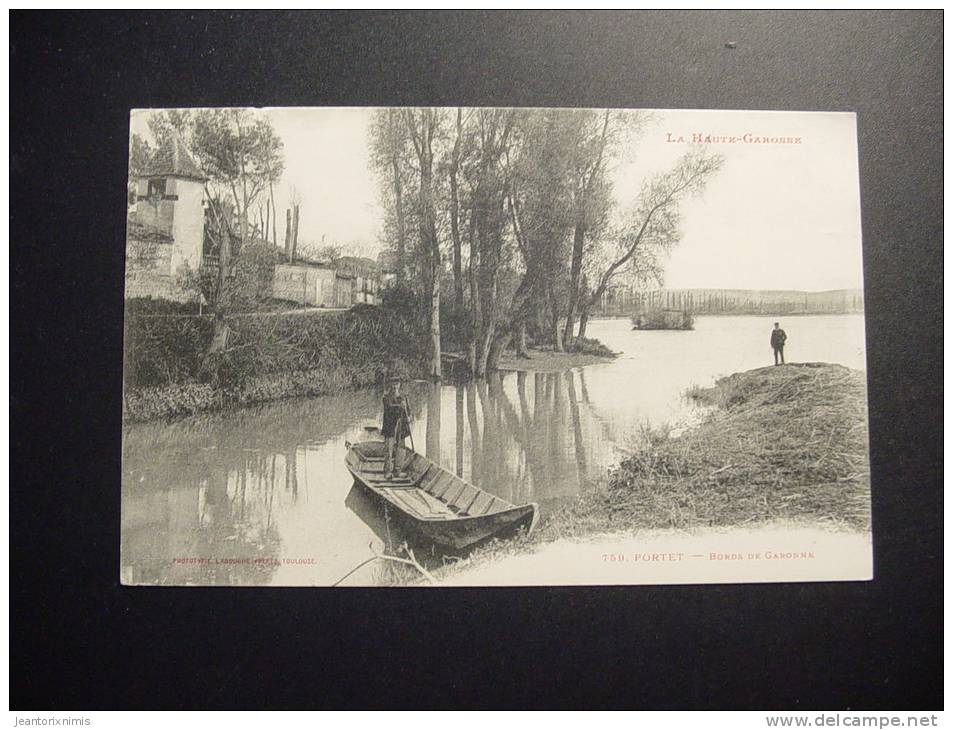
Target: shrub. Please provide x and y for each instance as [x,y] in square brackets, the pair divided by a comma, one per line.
[142,306]
[663,319]
[591,346]
[170,350]
[164,350]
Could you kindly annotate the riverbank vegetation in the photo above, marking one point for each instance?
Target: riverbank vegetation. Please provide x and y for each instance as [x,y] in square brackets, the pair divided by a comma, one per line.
[502,227]
[521,204]
[777,445]
[169,371]
[592,352]
[780,443]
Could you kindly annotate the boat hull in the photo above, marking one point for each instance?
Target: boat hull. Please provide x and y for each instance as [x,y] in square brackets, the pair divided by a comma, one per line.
[434,504]
[462,533]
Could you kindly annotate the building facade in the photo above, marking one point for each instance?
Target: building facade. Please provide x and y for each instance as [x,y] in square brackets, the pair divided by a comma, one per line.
[166,225]
[337,285]
[305,282]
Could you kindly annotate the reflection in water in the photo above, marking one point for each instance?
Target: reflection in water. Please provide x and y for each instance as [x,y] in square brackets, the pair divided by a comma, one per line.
[432,451]
[261,495]
[460,429]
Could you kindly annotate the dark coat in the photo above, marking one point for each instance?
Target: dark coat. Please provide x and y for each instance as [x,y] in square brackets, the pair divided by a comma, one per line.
[395,417]
[778,338]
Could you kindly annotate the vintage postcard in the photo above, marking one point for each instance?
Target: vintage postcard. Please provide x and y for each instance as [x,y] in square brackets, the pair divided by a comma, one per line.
[492,347]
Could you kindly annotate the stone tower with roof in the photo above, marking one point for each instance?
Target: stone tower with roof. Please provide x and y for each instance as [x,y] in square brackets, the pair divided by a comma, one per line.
[168,220]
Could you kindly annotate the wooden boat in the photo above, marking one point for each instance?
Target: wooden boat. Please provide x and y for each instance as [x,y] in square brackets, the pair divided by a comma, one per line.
[440,506]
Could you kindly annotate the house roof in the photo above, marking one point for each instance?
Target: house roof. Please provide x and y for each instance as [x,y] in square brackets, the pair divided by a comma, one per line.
[303,261]
[173,160]
[357,265]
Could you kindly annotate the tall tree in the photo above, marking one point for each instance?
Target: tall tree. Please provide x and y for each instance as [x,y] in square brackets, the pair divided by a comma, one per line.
[241,152]
[488,178]
[652,225]
[602,138]
[389,146]
[540,206]
[588,205]
[423,127]
[457,155]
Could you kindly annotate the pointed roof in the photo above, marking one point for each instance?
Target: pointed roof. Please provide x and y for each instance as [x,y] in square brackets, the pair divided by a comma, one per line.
[173,160]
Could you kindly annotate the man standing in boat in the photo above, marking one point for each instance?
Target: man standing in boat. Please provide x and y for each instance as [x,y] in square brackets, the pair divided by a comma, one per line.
[395,428]
[778,338]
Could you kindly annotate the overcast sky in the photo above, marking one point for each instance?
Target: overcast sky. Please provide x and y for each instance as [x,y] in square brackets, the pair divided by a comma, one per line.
[777,216]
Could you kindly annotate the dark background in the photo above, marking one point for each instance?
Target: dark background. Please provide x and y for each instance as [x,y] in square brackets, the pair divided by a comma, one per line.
[79,640]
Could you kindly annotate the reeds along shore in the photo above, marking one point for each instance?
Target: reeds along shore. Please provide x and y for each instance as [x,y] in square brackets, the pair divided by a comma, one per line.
[779,444]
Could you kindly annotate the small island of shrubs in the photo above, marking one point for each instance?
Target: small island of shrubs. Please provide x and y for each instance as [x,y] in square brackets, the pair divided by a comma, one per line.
[663,319]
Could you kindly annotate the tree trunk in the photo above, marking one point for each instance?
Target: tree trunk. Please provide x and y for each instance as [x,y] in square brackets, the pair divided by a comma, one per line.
[432,439]
[497,348]
[294,231]
[274,215]
[483,350]
[455,220]
[399,210]
[475,303]
[459,435]
[521,340]
[435,363]
[428,233]
[583,322]
[472,356]
[578,241]
[554,321]
[288,252]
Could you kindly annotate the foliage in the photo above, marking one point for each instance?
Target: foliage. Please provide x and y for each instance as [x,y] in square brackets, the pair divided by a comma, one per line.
[172,350]
[142,306]
[238,149]
[651,225]
[524,201]
[592,346]
[248,285]
[163,350]
[401,300]
[663,319]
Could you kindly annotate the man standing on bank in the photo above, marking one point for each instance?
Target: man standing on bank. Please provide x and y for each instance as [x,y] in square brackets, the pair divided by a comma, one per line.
[395,428]
[778,338]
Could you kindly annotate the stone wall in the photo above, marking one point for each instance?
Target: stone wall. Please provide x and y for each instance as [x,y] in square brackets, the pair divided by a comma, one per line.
[149,272]
[310,285]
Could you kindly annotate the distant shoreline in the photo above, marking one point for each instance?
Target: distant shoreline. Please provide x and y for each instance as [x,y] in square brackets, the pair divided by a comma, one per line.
[766,315]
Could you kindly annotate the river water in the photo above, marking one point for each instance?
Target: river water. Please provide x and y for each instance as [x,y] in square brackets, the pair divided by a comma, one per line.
[261,496]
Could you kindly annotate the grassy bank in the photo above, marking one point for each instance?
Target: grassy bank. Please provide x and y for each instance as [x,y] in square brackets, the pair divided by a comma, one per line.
[589,352]
[186,399]
[777,444]
[271,356]
[268,357]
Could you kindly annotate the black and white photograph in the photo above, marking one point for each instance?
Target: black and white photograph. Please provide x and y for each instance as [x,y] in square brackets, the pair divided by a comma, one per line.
[493,346]
[474,359]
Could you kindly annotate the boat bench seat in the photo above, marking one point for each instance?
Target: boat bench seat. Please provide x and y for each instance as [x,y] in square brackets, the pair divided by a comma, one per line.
[482,504]
[419,503]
